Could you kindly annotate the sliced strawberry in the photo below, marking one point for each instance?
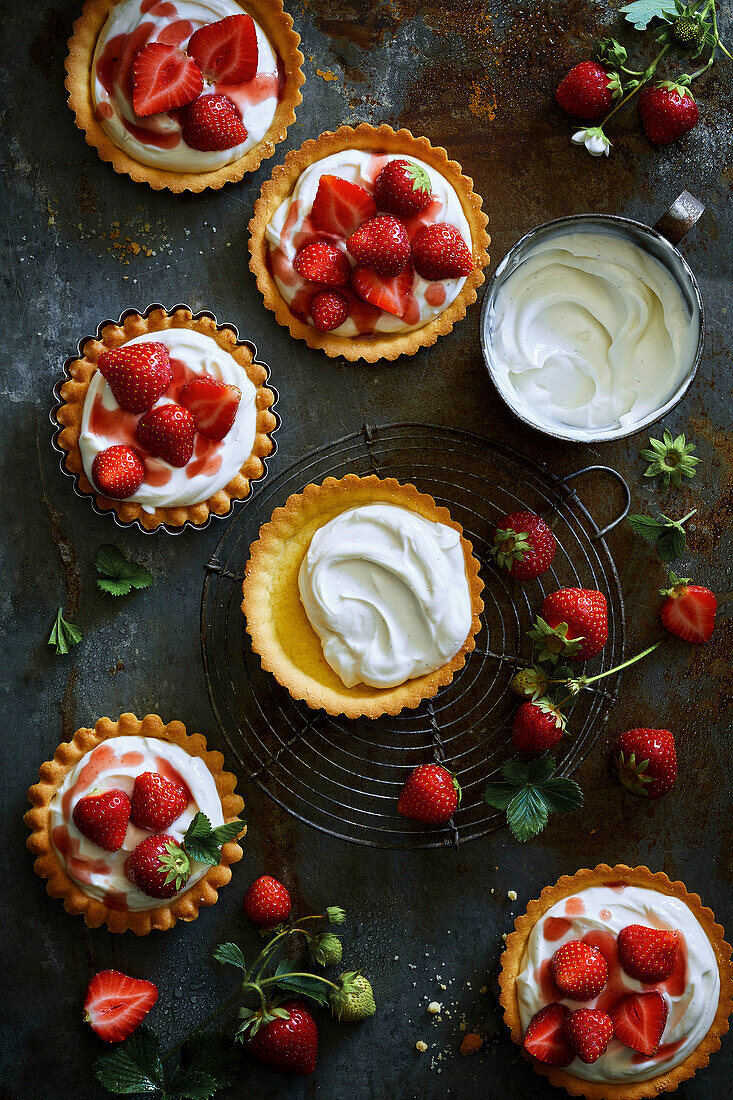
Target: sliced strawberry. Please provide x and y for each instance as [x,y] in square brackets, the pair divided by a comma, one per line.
[137,374]
[118,472]
[391,295]
[589,1031]
[440,252]
[382,244]
[329,309]
[212,123]
[639,1021]
[688,610]
[226,51]
[647,954]
[168,432]
[163,78]
[340,207]
[156,801]
[545,1039]
[116,1004]
[102,817]
[213,405]
[320,262]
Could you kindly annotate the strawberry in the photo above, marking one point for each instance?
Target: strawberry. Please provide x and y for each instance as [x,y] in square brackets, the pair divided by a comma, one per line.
[340,207]
[168,431]
[267,902]
[537,726]
[320,262]
[138,374]
[392,295]
[211,123]
[158,866]
[102,817]
[382,244]
[118,472]
[647,954]
[545,1039]
[646,761]
[431,795]
[580,971]
[403,188]
[523,545]
[289,1045]
[440,252]
[156,801]
[213,404]
[163,78]
[354,999]
[116,1004]
[573,624]
[667,112]
[688,610]
[639,1021]
[329,309]
[586,91]
[589,1031]
[226,51]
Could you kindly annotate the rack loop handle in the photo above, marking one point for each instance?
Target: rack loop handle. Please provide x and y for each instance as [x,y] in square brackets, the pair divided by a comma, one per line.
[571,495]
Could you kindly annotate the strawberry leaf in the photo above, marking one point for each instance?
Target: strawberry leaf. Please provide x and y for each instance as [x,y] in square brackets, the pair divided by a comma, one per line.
[529,793]
[209,1062]
[668,534]
[641,12]
[499,795]
[561,795]
[311,987]
[133,1068]
[118,575]
[63,635]
[203,843]
[230,954]
[527,814]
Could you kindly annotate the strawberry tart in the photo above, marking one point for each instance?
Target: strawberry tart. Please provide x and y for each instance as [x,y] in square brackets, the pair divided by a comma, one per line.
[368,243]
[617,983]
[165,418]
[134,824]
[184,94]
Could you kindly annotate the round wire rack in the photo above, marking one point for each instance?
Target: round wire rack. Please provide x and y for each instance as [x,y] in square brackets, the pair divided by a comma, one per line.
[344,776]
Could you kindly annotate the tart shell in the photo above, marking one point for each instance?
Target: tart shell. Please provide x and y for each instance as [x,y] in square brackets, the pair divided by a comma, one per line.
[48,865]
[602,875]
[277,25]
[379,139]
[73,394]
[276,621]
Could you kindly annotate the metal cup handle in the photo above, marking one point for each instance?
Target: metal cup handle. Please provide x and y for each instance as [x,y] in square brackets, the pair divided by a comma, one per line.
[681,216]
[571,494]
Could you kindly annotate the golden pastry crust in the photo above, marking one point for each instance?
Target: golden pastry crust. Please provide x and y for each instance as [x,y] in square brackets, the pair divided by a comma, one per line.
[277,25]
[74,391]
[382,139]
[277,623]
[602,875]
[48,865]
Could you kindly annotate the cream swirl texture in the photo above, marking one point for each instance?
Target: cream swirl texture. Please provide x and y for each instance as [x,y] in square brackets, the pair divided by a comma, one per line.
[691,994]
[386,592]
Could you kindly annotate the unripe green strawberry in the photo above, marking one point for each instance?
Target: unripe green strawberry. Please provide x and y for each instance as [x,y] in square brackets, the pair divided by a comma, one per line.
[687,31]
[354,1000]
[326,949]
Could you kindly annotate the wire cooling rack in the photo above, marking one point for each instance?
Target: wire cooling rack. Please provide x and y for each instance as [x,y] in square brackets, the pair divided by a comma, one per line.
[344,776]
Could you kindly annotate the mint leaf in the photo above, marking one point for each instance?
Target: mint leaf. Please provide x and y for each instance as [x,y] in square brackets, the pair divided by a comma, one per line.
[109,561]
[527,814]
[230,954]
[118,575]
[668,534]
[133,1068]
[306,986]
[63,635]
[203,843]
[561,795]
[641,12]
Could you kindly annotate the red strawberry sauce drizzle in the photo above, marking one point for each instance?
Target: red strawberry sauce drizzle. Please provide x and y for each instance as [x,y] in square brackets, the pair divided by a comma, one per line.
[575,907]
[69,847]
[165,768]
[555,928]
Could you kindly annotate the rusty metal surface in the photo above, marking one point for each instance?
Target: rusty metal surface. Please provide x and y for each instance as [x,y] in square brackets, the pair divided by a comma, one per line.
[79,244]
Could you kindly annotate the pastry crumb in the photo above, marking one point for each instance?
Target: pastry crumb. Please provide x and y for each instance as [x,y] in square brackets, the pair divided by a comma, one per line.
[434,1008]
[421,1046]
[471,1043]
[512,895]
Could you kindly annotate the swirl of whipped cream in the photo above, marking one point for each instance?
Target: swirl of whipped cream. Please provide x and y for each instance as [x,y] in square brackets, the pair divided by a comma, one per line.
[691,993]
[115,764]
[290,224]
[386,592]
[213,465]
[591,332]
[157,140]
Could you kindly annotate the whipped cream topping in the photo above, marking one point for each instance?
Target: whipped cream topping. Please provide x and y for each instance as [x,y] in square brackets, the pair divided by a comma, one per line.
[290,228]
[386,592]
[156,140]
[597,915]
[213,464]
[115,764]
[591,333]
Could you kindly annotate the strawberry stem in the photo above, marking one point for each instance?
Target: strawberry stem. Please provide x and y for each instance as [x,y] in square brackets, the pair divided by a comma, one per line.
[647,74]
[229,1003]
[618,668]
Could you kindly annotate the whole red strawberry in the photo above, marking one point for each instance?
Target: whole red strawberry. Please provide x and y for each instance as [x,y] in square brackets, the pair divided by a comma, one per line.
[158,866]
[168,431]
[329,309]
[573,624]
[688,610]
[589,1031]
[545,1037]
[537,726]
[579,970]
[523,545]
[667,112]
[118,472]
[102,818]
[288,1045]
[320,262]
[116,1004]
[440,252]
[431,795]
[267,902]
[648,954]
[586,91]
[212,403]
[156,801]
[137,374]
[646,761]
[403,188]
[639,1021]
[382,244]
[212,123]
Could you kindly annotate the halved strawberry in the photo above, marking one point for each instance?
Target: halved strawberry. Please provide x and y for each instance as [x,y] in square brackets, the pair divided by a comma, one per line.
[545,1039]
[118,472]
[163,78]
[391,295]
[329,309]
[320,262]
[226,51]
[688,610]
[137,374]
[116,1004]
[440,252]
[647,954]
[340,207]
[213,405]
[382,244]
[168,432]
[212,123]
[102,817]
[639,1021]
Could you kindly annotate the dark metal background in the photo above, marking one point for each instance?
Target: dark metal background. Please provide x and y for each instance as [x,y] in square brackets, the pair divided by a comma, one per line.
[81,244]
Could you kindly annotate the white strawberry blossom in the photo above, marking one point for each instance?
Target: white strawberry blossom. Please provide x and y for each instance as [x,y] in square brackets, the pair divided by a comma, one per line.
[594,139]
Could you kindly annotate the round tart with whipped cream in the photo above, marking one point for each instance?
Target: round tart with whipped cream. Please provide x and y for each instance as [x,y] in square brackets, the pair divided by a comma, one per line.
[166,418]
[617,983]
[134,824]
[184,94]
[362,596]
[368,243]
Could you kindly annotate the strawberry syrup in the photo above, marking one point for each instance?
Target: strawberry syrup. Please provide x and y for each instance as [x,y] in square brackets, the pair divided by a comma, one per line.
[80,868]
[165,768]
[555,928]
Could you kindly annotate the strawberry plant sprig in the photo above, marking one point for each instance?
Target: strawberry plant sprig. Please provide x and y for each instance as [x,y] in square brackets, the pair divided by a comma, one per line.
[668,535]
[529,793]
